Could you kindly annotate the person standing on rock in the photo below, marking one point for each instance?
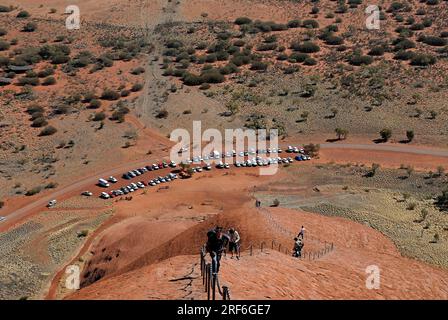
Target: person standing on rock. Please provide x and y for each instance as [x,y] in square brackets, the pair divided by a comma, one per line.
[301,233]
[234,243]
[216,243]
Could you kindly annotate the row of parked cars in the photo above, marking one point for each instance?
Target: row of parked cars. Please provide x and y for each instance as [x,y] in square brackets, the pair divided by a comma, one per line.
[138,172]
[134,186]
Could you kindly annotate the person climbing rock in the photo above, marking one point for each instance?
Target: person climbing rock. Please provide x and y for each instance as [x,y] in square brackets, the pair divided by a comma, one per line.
[234,244]
[301,233]
[216,243]
[298,245]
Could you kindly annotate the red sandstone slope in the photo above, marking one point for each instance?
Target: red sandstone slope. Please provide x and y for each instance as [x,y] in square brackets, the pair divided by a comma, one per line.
[273,275]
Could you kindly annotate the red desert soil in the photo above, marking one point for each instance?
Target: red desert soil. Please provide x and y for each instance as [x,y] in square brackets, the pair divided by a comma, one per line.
[272,275]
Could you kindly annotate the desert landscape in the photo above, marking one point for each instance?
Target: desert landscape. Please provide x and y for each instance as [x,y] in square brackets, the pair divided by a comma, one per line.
[93,92]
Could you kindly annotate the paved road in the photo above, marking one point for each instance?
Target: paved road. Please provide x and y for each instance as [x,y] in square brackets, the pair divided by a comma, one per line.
[86,183]
[387,147]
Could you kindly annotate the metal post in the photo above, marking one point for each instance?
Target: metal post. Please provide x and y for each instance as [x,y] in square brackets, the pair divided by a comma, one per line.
[225,292]
[209,280]
[262,246]
[272,245]
[206,276]
[214,286]
[251,250]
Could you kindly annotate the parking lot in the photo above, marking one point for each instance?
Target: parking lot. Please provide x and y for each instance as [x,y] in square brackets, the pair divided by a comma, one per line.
[165,172]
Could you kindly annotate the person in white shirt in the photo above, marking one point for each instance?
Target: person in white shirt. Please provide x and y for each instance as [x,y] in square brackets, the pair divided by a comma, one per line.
[234,243]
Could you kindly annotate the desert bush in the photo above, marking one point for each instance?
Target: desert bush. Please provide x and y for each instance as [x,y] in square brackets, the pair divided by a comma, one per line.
[240,60]
[23,14]
[417,26]
[49,81]
[109,94]
[94,104]
[334,40]
[3,32]
[376,51]
[298,57]
[39,122]
[210,58]
[422,59]
[358,60]
[137,87]
[191,79]
[174,44]
[239,43]
[229,69]
[4,61]
[212,76]
[125,93]
[30,27]
[99,116]
[293,24]
[138,70]
[310,61]
[23,81]
[310,24]
[282,57]
[45,73]
[432,2]
[444,34]
[386,134]
[204,86]
[276,203]
[242,20]
[48,131]
[33,191]
[403,44]
[162,114]
[5,8]
[434,41]
[266,46]
[307,47]
[4,45]
[259,66]
[34,108]
[403,55]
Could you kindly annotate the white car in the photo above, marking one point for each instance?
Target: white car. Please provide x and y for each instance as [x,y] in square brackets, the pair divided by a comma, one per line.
[226,165]
[103,183]
[112,179]
[51,203]
[2,218]
[208,167]
[87,194]
[198,169]
[104,195]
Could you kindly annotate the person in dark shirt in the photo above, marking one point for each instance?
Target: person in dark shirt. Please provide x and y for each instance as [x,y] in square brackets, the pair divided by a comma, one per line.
[216,243]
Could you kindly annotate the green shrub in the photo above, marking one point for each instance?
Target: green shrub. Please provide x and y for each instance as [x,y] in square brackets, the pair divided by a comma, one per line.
[49,81]
[190,79]
[5,8]
[259,66]
[33,191]
[110,95]
[99,116]
[23,81]
[358,60]
[310,61]
[310,24]
[434,41]
[422,59]
[298,57]
[23,14]
[212,76]
[94,104]
[376,51]
[137,87]
[48,131]
[30,27]
[242,20]
[334,40]
[294,24]
[403,55]
[45,73]
[4,45]
[125,93]
[403,44]
[39,122]
[307,47]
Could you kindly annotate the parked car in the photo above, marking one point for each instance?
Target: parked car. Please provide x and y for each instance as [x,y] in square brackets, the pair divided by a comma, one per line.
[113,179]
[208,167]
[2,218]
[87,194]
[173,164]
[103,183]
[126,176]
[104,195]
[51,203]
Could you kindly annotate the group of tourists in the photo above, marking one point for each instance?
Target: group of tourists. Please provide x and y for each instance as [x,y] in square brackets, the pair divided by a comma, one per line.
[217,242]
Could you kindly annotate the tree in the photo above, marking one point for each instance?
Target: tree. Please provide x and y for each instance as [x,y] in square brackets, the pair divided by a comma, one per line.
[386,134]
[410,135]
[433,114]
[341,133]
